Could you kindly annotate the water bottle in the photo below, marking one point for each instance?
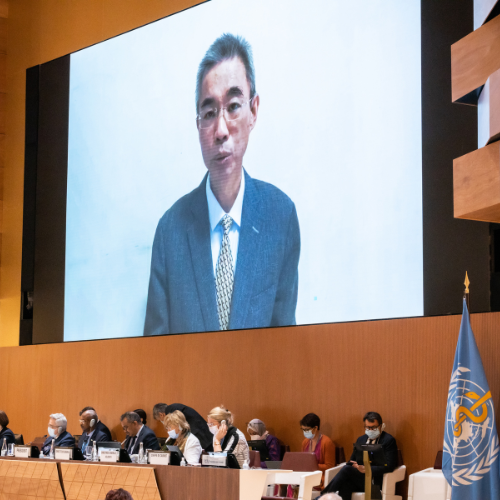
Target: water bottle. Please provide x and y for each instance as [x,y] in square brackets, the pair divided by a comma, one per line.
[95,456]
[245,465]
[183,462]
[141,454]
[4,448]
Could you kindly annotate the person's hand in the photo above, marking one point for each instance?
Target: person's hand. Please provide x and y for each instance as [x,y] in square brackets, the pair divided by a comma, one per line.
[361,468]
[221,432]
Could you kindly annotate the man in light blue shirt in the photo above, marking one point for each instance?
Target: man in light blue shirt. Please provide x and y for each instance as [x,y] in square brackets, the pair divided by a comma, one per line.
[225,256]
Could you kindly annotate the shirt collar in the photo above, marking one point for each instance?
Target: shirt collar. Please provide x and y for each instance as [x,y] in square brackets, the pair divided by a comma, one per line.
[216,212]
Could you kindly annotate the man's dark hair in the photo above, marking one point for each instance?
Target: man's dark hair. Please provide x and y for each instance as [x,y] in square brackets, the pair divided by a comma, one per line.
[131,416]
[4,419]
[224,48]
[311,420]
[119,494]
[371,416]
[159,408]
[142,414]
[87,408]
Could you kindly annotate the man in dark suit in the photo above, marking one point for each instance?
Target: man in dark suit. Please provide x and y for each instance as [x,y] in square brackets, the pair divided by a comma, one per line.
[90,432]
[351,478]
[225,256]
[196,422]
[137,433]
[99,426]
[58,435]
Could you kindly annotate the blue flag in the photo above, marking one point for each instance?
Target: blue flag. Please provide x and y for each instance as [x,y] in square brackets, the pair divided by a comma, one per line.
[470,454]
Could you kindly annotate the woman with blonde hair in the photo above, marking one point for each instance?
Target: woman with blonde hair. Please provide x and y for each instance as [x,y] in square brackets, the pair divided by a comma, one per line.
[227,437]
[180,435]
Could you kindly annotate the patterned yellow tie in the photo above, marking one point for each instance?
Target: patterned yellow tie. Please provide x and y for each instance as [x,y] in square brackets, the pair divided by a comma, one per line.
[224,278]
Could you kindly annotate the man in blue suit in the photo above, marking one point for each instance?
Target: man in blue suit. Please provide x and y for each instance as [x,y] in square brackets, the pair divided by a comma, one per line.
[137,433]
[225,256]
[58,435]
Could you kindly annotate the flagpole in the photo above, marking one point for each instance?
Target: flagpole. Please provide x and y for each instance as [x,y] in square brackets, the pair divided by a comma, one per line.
[466,291]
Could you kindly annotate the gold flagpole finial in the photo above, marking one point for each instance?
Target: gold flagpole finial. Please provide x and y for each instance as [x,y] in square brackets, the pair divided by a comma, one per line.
[466,283]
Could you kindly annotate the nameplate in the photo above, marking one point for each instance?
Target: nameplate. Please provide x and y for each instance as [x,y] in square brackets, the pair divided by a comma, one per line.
[214,460]
[159,457]
[63,453]
[110,455]
[22,451]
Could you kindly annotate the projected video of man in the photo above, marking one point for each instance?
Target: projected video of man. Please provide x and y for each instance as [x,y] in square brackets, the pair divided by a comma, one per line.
[225,256]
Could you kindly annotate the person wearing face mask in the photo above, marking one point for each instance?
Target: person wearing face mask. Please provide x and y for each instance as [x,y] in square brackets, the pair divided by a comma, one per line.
[351,478]
[227,437]
[257,431]
[5,433]
[57,433]
[180,435]
[316,442]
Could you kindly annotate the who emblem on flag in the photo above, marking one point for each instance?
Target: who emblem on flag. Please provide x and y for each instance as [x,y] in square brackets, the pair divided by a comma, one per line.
[471,448]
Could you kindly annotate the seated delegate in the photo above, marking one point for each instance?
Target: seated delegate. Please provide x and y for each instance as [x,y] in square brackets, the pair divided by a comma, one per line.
[137,433]
[58,435]
[319,444]
[180,435]
[257,431]
[90,432]
[142,414]
[351,478]
[6,435]
[227,437]
[99,426]
[197,423]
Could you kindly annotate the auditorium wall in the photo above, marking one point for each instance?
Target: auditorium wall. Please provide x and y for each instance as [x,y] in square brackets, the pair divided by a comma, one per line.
[39,31]
[400,368]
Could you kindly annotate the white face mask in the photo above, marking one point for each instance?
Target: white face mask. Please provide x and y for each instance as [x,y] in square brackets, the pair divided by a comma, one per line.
[172,434]
[52,432]
[255,438]
[373,434]
[214,429]
[308,434]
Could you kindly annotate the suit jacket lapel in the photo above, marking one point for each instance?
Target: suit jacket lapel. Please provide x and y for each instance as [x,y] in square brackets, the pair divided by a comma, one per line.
[249,250]
[201,258]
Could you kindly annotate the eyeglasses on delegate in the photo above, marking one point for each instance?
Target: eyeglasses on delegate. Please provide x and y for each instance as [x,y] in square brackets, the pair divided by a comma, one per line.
[209,115]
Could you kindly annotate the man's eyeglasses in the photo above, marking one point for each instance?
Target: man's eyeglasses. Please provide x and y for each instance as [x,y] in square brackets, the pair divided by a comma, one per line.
[233,111]
[374,428]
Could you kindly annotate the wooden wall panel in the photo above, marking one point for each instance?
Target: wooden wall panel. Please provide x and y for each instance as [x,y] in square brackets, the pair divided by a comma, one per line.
[400,368]
[474,59]
[29,480]
[83,481]
[476,184]
[488,111]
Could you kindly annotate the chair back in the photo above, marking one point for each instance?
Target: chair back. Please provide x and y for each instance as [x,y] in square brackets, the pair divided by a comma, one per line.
[254,458]
[438,463]
[339,455]
[300,461]
[18,439]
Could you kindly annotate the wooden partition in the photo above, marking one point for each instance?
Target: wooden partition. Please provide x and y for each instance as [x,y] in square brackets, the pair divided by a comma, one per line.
[400,368]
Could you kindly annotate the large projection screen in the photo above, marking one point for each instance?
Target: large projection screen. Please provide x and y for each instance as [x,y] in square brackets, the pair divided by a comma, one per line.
[338,133]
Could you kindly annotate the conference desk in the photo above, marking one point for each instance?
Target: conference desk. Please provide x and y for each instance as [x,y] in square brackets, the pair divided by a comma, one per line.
[43,479]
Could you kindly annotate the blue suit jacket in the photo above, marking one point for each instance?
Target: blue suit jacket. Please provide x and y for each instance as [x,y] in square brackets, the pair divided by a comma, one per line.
[64,439]
[182,293]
